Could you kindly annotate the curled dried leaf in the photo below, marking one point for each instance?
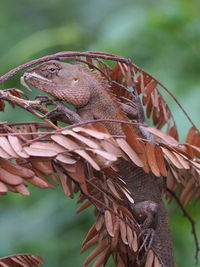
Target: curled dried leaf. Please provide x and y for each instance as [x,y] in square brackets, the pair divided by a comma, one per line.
[4,154]
[157,262]
[113,189]
[42,166]
[172,158]
[5,145]
[134,244]
[165,137]
[16,169]
[116,231]
[81,138]
[83,206]
[35,152]
[102,259]
[99,222]
[109,223]
[129,151]
[160,161]
[89,244]
[3,188]
[66,159]
[17,146]
[22,189]
[38,182]
[65,182]
[150,151]
[48,145]
[92,132]
[104,154]
[9,178]
[91,233]
[98,250]
[150,259]
[123,232]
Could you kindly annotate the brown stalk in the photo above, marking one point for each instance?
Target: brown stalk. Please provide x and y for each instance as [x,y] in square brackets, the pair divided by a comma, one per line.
[192,222]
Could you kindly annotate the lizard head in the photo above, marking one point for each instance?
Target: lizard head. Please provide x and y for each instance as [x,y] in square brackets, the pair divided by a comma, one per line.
[62,80]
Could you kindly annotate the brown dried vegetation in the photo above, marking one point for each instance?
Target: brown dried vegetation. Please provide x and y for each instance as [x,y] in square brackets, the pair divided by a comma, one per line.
[83,157]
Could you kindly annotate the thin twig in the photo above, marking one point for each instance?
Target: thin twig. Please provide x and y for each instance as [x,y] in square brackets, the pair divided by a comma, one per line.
[187,215]
[36,123]
[44,134]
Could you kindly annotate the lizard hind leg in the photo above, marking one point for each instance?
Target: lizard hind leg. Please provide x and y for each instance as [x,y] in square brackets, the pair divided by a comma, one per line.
[146,213]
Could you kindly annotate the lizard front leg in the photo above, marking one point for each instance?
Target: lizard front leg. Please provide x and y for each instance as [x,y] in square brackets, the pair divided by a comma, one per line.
[146,213]
[61,112]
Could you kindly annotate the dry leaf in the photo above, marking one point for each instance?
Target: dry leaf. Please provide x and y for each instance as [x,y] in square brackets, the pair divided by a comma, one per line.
[92,132]
[81,138]
[150,258]
[168,139]
[129,151]
[5,145]
[160,161]
[17,146]
[16,169]
[123,232]
[109,223]
[9,178]
[35,152]
[151,157]
[101,247]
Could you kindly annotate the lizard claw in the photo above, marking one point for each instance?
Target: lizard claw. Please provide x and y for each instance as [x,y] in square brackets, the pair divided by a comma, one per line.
[52,114]
[63,113]
[44,99]
[147,235]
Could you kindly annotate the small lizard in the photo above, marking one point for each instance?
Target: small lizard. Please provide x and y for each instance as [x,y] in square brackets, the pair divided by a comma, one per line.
[89,93]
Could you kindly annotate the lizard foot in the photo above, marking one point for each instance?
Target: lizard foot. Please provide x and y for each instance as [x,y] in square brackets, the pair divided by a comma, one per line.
[63,113]
[147,236]
[44,99]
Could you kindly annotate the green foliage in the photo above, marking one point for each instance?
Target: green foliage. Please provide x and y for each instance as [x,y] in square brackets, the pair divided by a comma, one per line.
[163,37]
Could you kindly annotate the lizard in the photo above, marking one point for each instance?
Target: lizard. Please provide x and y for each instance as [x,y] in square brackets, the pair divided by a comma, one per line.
[89,93]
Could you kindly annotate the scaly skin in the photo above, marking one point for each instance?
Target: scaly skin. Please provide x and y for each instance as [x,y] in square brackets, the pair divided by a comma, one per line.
[90,95]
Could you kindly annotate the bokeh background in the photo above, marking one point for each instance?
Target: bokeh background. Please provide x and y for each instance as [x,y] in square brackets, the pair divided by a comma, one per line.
[162,37]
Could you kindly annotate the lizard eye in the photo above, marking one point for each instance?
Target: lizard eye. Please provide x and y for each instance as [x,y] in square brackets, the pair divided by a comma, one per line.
[52,70]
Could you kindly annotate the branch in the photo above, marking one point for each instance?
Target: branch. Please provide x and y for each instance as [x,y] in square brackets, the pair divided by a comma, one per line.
[186,214]
[28,105]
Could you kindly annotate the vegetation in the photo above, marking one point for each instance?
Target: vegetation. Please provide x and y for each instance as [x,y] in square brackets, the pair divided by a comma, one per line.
[161,37]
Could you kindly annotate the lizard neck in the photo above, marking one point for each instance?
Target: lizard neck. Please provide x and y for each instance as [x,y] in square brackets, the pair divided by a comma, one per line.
[104,105]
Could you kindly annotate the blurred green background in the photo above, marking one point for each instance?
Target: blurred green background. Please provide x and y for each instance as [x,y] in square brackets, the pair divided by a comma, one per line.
[162,37]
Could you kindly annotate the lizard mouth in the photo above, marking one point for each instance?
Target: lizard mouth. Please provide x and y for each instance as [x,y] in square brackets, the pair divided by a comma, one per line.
[23,82]
[27,76]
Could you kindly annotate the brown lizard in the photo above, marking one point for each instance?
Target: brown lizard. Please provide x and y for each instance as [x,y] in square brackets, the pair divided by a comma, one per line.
[89,93]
